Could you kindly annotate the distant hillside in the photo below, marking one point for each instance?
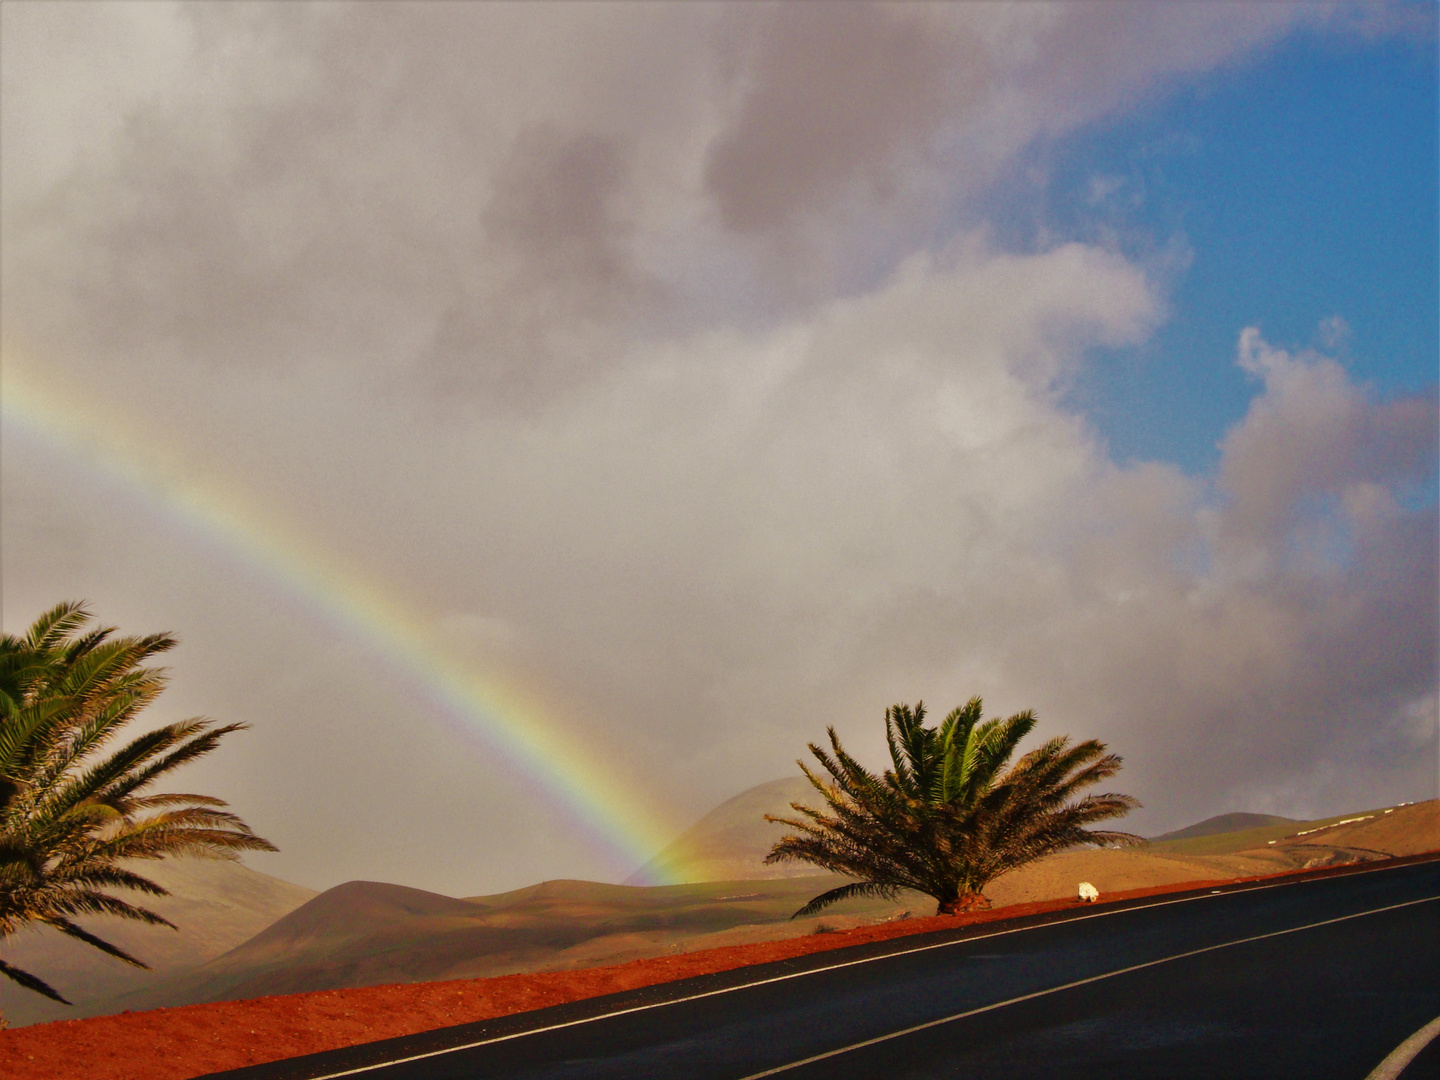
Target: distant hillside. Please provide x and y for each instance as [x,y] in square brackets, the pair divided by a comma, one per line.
[730,842]
[1408,830]
[367,933]
[356,934]
[216,904]
[356,909]
[1224,823]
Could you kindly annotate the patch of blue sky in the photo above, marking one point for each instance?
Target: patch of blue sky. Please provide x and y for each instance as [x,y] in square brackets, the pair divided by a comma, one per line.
[1299,192]
[1418,495]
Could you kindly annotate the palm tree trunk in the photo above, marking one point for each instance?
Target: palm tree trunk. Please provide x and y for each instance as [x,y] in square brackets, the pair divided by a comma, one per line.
[963,904]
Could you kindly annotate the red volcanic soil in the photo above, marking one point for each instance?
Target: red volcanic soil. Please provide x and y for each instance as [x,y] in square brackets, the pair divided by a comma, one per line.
[189,1041]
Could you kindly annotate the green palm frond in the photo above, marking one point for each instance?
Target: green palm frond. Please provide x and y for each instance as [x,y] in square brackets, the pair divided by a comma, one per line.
[74,804]
[55,626]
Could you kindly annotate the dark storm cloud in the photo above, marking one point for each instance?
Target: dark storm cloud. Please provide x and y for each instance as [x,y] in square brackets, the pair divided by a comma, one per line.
[347,187]
[552,273]
[553,204]
[829,103]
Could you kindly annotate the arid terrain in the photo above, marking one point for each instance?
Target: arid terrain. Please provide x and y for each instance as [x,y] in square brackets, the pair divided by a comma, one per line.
[194,1040]
[245,935]
[215,904]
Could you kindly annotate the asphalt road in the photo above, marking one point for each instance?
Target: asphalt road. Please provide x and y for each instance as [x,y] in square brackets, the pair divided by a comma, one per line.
[1317,978]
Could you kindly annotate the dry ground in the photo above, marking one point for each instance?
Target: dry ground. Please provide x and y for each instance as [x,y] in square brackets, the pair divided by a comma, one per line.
[193,1040]
[178,1043]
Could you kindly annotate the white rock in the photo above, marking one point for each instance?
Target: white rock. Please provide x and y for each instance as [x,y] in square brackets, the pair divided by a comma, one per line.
[1088,892]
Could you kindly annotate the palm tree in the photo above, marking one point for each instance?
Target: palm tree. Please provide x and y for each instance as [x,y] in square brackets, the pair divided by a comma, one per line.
[948,817]
[74,806]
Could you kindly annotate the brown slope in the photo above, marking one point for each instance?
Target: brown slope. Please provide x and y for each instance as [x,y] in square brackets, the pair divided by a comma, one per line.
[367,933]
[1224,823]
[346,936]
[730,842]
[173,1044]
[216,904]
[1370,834]
[355,909]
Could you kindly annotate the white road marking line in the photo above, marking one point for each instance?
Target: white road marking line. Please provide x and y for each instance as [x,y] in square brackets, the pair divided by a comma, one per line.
[1395,1062]
[800,974]
[1080,982]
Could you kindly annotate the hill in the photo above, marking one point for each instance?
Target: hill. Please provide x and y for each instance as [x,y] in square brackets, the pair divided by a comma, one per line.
[1407,829]
[731,841]
[1298,837]
[1223,823]
[370,933]
[366,933]
[216,904]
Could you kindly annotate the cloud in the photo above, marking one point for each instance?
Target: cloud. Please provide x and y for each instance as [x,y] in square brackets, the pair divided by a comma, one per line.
[1309,440]
[664,358]
[1333,332]
[828,103]
[551,274]
[487,198]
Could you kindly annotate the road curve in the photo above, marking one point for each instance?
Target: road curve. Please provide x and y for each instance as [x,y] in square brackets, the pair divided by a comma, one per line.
[1317,978]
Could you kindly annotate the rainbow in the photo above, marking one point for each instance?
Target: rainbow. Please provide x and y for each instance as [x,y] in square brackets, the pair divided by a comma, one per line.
[508,720]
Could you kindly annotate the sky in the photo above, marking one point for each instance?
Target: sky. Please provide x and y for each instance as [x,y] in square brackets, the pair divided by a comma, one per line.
[539,422]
